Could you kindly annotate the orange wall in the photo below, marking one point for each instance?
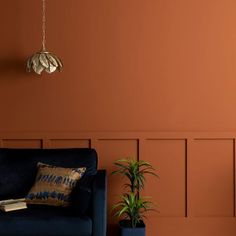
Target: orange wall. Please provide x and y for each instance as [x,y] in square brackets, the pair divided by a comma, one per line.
[129,65]
[133,65]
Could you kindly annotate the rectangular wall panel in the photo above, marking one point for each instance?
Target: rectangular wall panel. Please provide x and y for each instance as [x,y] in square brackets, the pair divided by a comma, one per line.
[70,143]
[169,192]
[212,178]
[109,151]
[190,226]
[22,143]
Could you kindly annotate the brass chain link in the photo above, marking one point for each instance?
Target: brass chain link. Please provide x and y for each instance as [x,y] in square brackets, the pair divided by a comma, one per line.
[44,25]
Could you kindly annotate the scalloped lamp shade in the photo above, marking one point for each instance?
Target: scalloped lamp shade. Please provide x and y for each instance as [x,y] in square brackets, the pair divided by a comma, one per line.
[44,61]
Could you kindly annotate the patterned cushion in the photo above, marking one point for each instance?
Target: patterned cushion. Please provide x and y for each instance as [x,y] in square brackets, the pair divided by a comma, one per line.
[53,185]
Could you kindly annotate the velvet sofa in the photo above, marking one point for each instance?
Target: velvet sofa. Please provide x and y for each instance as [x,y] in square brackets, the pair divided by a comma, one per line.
[85,217]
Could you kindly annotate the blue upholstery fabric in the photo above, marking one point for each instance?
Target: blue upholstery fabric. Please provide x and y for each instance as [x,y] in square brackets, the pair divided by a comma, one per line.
[99,204]
[81,195]
[86,216]
[41,221]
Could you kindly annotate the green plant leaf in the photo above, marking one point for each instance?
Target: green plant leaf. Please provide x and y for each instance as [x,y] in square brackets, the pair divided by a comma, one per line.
[132,206]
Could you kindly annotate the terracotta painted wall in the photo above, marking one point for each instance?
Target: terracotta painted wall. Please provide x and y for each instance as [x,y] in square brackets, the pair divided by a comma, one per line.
[129,65]
[133,66]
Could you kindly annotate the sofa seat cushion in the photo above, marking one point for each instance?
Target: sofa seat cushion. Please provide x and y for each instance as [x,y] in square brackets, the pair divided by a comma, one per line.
[44,221]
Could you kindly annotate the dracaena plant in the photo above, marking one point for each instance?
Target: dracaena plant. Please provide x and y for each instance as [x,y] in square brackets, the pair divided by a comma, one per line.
[132,206]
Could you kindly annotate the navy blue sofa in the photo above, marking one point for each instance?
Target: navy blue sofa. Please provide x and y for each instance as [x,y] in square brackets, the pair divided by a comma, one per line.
[85,217]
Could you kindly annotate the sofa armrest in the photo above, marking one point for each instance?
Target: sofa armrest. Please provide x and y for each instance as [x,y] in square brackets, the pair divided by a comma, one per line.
[99,208]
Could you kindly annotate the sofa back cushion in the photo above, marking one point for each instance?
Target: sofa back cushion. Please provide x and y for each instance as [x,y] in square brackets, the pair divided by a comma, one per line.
[18,167]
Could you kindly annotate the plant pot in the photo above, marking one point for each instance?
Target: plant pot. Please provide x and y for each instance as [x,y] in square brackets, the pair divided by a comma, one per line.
[127,230]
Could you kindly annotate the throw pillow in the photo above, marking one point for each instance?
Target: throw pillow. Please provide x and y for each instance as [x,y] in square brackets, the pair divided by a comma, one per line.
[53,185]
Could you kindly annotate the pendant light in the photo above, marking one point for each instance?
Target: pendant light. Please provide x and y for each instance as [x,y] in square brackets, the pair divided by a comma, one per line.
[44,60]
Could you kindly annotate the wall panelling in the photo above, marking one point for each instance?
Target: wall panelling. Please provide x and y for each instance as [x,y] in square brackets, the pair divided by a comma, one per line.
[196,188]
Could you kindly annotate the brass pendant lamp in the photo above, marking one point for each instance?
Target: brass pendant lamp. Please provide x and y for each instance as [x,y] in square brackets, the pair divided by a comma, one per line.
[44,60]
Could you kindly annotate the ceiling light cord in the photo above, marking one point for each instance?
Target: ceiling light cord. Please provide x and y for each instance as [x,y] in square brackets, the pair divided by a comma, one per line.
[44,60]
[44,26]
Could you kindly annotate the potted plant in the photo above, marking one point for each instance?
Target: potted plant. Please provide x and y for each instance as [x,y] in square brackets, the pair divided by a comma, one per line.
[132,207]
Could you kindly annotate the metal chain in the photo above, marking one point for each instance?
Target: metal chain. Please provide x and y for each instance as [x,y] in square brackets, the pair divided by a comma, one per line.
[44,26]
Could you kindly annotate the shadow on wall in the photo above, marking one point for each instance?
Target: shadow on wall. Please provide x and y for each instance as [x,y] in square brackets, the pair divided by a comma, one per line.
[15,33]
[113,229]
[12,67]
